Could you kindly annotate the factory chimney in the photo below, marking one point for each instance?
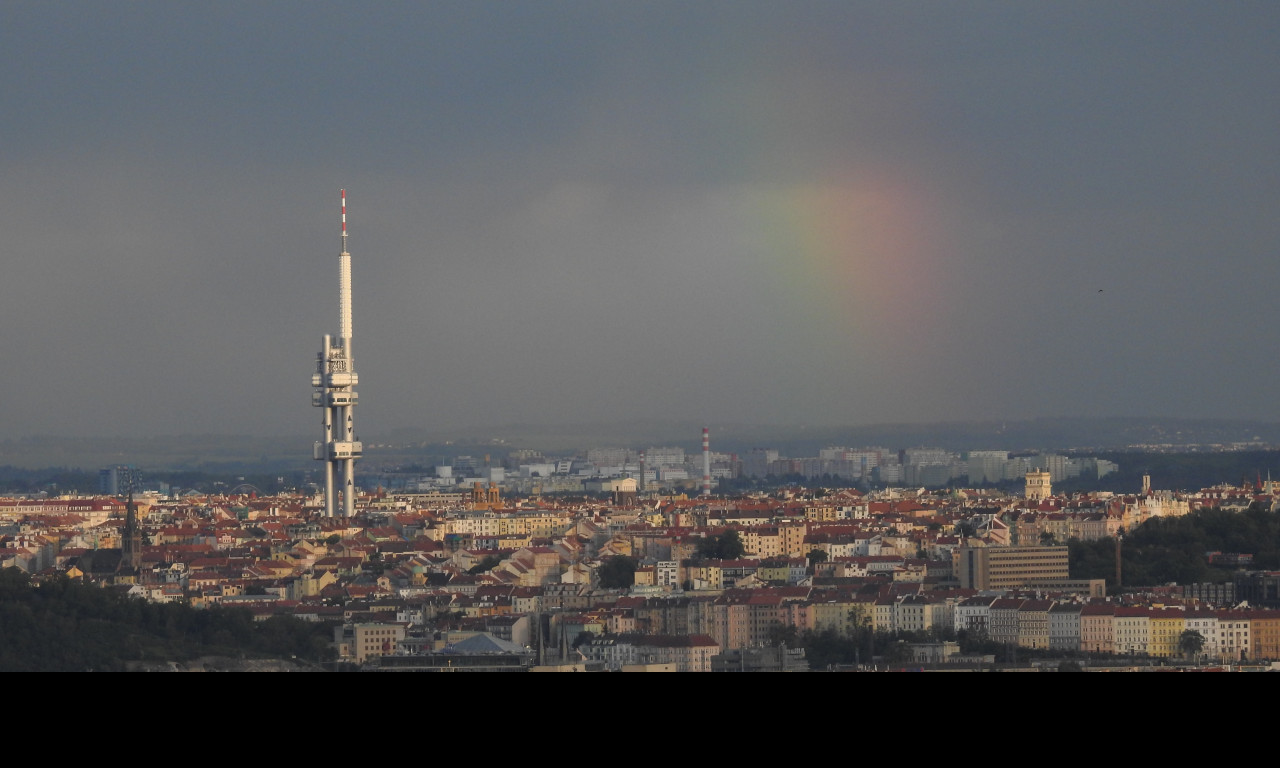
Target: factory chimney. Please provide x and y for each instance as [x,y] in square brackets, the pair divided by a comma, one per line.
[706,461]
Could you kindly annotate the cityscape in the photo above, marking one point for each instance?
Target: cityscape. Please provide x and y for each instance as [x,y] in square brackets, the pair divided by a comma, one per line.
[694,337]
[616,559]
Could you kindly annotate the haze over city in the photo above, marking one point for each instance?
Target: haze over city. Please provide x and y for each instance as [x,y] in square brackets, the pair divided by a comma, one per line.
[821,213]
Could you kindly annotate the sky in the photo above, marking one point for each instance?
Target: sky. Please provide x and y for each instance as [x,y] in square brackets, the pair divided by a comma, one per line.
[800,213]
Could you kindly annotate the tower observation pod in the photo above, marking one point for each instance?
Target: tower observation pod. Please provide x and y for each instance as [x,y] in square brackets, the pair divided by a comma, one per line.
[335,380]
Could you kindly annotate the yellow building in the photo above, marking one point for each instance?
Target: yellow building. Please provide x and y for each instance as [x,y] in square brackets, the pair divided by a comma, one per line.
[1266,634]
[372,640]
[792,534]
[1165,627]
[1039,486]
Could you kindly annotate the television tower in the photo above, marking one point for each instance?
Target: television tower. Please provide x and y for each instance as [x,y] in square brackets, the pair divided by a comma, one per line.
[335,380]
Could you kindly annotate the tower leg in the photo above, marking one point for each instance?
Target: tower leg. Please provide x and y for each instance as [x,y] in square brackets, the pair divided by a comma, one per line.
[331,471]
[349,488]
[329,505]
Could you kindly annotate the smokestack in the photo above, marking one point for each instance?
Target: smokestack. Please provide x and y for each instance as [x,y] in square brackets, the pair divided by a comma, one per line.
[706,461]
[640,485]
[1119,559]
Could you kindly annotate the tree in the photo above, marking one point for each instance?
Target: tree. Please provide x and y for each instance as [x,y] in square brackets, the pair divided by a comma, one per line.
[782,634]
[64,625]
[726,546]
[485,565]
[1190,643]
[617,572]
[817,556]
[826,648]
[1069,665]
[898,653]
[731,547]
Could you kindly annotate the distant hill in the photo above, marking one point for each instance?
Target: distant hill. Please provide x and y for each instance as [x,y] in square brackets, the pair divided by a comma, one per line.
[222,453]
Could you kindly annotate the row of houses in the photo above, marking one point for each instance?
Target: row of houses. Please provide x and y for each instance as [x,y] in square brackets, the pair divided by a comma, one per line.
[632,630]
[1110,628]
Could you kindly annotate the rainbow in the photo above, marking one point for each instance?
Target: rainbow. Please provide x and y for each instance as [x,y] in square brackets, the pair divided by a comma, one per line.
[860,252]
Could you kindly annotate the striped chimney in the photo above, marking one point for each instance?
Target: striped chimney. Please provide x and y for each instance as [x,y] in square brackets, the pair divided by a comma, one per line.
[706,461]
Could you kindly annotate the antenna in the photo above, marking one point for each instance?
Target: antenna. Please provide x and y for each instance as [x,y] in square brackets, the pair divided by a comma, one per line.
[335,381]
[344,286]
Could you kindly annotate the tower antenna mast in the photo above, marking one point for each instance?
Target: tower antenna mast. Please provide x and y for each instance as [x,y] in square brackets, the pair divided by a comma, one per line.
[334,381]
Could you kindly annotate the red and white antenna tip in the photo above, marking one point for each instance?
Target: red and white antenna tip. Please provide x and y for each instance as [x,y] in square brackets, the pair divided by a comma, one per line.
[344,212]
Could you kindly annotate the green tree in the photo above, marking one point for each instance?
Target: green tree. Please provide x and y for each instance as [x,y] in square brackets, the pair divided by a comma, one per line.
[1190,643]
[725,546]
[485,565]
[731,547]
[617,572]
[898,653]
[62,625]
[782,634]
[826,648]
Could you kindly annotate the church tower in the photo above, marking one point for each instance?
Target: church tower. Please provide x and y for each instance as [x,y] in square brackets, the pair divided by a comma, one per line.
[131,539]
[1039,486]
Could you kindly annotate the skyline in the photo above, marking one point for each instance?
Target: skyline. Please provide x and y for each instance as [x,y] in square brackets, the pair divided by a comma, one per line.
[822,214]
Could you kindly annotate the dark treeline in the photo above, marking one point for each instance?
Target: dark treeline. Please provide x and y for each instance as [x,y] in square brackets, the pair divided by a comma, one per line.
[65,625]
[1179,471]
[50,479]
[1174,549]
